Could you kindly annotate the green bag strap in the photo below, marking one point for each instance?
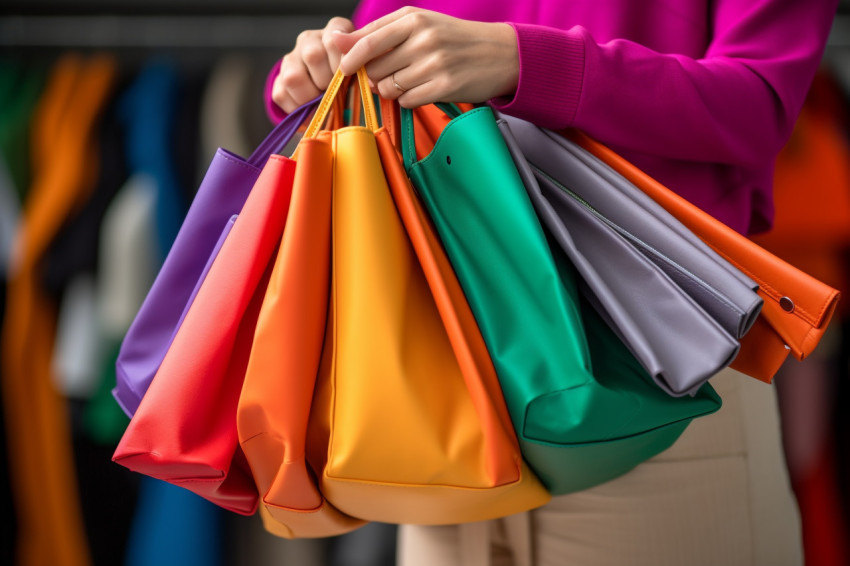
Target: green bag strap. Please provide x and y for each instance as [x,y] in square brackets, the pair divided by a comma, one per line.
[408,136]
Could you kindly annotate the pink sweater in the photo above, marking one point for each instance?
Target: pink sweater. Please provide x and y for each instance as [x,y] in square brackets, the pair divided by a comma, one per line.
[700,94]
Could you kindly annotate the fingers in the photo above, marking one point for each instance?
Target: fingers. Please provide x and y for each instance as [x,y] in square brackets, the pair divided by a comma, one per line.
[415,56]
[395,87]
[336,28]
[343,43]
[293,85]
[314,58]
[307,70]
[380,37]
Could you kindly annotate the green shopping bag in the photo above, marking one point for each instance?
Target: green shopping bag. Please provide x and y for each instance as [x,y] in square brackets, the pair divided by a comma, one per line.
[583,408]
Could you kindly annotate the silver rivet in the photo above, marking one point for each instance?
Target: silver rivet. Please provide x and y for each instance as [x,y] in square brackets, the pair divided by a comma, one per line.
[786,304]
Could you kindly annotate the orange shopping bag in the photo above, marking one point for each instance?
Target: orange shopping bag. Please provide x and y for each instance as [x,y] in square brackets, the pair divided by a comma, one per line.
[274,406]
[407,423]
[797,307]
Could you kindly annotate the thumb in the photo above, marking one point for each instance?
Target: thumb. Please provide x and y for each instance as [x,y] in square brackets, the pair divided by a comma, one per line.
[344,41]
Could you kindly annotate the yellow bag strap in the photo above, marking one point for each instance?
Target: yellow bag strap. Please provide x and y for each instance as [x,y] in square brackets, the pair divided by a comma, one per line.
[331,94]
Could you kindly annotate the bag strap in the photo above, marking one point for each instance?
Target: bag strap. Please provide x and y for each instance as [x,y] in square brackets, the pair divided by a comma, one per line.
[408,136]
[391,119]
[282,133]
[330,95]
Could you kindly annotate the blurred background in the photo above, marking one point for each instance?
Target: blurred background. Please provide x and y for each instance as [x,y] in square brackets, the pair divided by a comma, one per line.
[101,170]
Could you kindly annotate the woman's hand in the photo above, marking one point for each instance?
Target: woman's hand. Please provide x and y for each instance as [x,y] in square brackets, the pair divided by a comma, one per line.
[307,70]
[420,57]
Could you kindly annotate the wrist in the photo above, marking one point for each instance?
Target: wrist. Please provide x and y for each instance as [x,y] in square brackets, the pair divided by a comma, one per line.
[505,40]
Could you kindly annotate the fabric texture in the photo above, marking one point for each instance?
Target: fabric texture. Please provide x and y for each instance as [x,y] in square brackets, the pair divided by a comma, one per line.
[554,355]
[701,96]
[645,77]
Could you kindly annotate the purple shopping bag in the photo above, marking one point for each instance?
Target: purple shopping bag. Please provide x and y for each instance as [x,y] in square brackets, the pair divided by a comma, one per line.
[220,197]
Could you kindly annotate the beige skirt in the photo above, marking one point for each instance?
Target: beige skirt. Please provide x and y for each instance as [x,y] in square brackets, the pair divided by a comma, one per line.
[720,496]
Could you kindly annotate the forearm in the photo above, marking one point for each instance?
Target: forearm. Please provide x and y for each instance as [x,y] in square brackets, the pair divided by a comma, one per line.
[735,105]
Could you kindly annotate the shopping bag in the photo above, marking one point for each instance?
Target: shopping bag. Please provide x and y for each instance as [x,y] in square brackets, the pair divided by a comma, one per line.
[797,307]
[584,410]
[673,301]
[221,195]
[407,423]
[276,397]
[184,429]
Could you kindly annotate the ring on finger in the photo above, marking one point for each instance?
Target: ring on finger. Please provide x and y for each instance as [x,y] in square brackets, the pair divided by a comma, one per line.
[395,84]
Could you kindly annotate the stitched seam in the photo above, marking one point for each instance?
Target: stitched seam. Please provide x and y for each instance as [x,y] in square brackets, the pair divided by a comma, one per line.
[775,295]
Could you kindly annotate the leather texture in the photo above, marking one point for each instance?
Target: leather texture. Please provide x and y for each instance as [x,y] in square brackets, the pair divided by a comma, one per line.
[797,307]
[408,424]
[678,306]
[194,443]
[221,194]
[274,406]
[563,373]
[723,290]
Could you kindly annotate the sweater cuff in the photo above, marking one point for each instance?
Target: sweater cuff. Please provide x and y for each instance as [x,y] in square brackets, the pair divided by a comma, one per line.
[551,70]
[273,111]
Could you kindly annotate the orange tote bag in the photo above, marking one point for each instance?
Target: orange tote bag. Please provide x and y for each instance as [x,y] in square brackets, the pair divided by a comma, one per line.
[797,307]
[274,405]
[407,423]
[417,432]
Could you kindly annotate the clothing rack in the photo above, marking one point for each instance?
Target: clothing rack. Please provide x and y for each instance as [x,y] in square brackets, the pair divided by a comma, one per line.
[214,24]
[155,31]
[155,24]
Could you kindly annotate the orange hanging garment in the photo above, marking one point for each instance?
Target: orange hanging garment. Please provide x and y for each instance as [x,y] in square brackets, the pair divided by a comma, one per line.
[50,523]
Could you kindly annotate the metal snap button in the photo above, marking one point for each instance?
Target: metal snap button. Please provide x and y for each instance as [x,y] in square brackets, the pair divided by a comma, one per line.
[786,304]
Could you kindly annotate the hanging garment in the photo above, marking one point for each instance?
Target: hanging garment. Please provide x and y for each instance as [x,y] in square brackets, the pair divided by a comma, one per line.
[9,212]
[20,89]
[128,259]
[221,123]
[148,110]
[74,248]
[77,348]
[70,267]
[41,460]
[175,527]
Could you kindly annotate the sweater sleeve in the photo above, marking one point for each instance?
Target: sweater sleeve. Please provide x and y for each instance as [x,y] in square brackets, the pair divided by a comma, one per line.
[736,105]
[273,111]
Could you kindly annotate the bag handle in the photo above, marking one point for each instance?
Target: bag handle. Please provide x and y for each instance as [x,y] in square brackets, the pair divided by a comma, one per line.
[408,136]
[330,95]
[282,133]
